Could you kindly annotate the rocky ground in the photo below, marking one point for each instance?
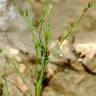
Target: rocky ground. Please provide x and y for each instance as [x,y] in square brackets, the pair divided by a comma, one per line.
[15,38]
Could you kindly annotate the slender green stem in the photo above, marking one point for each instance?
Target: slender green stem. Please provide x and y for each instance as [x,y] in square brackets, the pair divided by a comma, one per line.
[5,79]
[75,25]
[9,61]
[17,70]
[17,87]
[41,76]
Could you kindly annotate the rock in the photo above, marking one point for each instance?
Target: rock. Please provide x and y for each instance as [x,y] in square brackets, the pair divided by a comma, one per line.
[51,70]
[85,46]
[6,15]
[62,85]
[22,68]
[11,52]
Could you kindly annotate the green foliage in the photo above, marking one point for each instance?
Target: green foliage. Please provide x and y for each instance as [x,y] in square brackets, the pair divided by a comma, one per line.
[41,36]
[44,37]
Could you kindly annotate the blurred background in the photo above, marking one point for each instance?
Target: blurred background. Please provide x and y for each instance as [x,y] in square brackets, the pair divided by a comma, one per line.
[15,33]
